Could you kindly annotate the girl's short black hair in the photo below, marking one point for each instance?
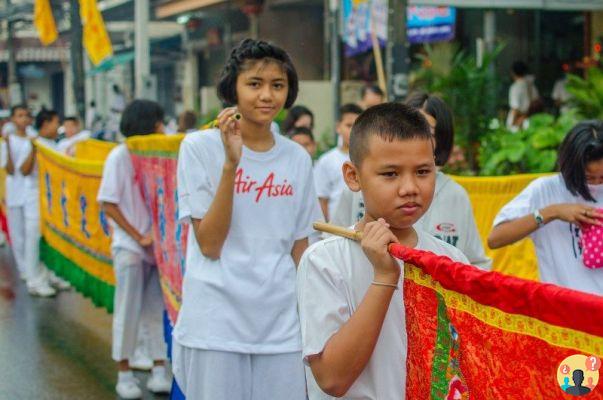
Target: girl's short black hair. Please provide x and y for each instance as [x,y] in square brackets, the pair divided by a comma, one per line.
[44,116]
[140,117]
[295,113]
[444,130]
[250,50]
[583,144]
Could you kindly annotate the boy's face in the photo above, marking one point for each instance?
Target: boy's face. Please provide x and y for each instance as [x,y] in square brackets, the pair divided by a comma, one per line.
[397,180]
[50,128]
[71,128]
[262,91]
[307,142]
[344,127]
[21,118]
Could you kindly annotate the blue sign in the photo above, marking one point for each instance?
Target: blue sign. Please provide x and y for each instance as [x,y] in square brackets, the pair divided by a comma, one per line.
[430,24]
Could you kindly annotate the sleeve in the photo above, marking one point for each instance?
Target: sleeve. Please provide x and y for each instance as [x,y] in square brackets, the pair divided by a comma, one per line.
[310,208]
[321,177]
[111,187]
[195,191]
[523,204]
[323,308]
[474,249]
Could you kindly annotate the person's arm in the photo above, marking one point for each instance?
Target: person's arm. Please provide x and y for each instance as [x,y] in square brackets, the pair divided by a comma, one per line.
[299,246]
[113,212]
[324,206]
[512,231]
[28,165]
[348,351]
[10,166]
[212,229]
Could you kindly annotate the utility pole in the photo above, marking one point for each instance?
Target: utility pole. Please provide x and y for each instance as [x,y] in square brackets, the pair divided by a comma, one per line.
[77,59]
[142,49]
[397,54]
[335,56]
[14,88]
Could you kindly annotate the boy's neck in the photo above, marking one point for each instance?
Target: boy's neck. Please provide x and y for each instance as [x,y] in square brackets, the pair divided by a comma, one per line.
[257,137]
[406,236]
[20,131]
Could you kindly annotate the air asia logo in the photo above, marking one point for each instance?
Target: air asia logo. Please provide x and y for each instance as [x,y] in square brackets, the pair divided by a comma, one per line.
[268,188]
[447,232]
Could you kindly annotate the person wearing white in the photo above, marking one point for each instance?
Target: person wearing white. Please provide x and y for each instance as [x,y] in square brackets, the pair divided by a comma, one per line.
[333,277]
[560,95]
[240,310]
[138,298]
[327,172]
[550,214]
[522,93]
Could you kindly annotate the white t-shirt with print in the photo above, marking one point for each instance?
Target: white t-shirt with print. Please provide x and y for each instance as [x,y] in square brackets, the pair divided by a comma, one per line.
[245,301]
[449,218]
[329,178]
[17,184]
[558,242]
[119,186]
[334,276]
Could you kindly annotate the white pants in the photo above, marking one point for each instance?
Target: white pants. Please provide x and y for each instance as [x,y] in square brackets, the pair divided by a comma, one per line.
[220,375]
[24,228]
[138,299]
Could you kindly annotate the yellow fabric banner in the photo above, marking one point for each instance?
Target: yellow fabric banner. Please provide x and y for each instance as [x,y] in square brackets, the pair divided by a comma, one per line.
[488,195]
[44,22]
[93,150]
[96,39]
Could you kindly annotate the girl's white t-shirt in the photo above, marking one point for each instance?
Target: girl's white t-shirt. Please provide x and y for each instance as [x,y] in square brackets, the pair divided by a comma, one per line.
[18,186]
[245,301]
[334,276]
[558,242]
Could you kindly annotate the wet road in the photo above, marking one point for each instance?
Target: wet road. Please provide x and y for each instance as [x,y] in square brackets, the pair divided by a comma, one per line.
[57,348]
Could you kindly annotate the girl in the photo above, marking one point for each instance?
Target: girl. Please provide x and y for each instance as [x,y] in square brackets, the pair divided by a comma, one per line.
[298,116]
[138,299]
[552,209]
[450,216]
[249,196]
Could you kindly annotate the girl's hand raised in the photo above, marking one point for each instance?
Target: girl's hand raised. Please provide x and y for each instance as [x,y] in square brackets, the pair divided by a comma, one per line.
[232,138]
[574,213]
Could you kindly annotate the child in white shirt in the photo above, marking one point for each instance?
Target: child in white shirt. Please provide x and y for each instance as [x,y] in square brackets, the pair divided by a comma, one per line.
[73,135]
[351,313]
[551,211]
[249,196]
[138,298]
[327,172]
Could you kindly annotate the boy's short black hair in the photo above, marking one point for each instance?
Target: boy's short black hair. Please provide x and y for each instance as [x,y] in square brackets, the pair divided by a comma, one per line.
[254,50]
[520,68]
[72,118]
[373,89]
[444,130]
[44,116]
[300,130]
[349,108]
[295,113]
[16,107]
[140,117]
[389,121]
[583,144]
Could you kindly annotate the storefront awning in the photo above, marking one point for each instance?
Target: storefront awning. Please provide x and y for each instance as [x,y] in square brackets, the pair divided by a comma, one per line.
[175,7]
[568,5]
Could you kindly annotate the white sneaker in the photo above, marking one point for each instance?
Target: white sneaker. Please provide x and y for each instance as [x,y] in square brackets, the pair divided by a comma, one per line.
[58,283]
[127,388]
[43,290]
[140,362]
[159,382]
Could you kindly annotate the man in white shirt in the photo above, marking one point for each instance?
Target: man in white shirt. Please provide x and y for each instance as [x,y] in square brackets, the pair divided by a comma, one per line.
[522,93]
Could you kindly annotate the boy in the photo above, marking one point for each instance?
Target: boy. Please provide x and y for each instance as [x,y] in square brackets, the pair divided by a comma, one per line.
[352,317]
[73,135]
[138,298]
[304,137]
[329,182]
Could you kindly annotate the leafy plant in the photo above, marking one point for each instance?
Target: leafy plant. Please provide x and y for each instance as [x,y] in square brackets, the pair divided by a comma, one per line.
[531,150]
[587,94]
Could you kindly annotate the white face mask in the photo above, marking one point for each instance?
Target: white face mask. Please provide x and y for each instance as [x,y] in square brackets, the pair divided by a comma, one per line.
[596,191]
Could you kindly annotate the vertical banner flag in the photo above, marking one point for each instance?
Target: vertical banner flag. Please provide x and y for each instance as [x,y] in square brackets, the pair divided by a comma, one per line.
[96,39]
[359,17]
[44,22]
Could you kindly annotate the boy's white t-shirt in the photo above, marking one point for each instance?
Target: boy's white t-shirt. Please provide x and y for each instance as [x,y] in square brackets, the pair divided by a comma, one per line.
[245,301]
[119,186]
[334,276]
[329,177]
[558,242]
[449,218]
[17,185]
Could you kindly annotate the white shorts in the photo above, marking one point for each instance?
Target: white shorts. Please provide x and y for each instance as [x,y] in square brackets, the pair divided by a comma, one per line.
[221,375]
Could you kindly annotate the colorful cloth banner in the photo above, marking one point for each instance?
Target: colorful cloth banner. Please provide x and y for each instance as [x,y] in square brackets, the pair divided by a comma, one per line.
[488,195]
[76,239]
[93,150]
[359,18]
[155,158]
[483,335]
[44,22]
[96,39]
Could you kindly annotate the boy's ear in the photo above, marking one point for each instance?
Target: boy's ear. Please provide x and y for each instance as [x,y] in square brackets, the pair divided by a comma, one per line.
[351,176]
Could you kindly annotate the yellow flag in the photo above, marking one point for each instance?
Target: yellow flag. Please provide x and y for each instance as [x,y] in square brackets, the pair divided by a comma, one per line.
[44,22]
[96,39]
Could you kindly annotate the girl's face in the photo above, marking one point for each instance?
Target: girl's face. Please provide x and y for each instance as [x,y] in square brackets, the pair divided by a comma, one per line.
[262,91]
[594,172]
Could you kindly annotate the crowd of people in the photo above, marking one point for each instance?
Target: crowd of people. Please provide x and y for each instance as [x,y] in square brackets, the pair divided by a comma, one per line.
[270,308]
